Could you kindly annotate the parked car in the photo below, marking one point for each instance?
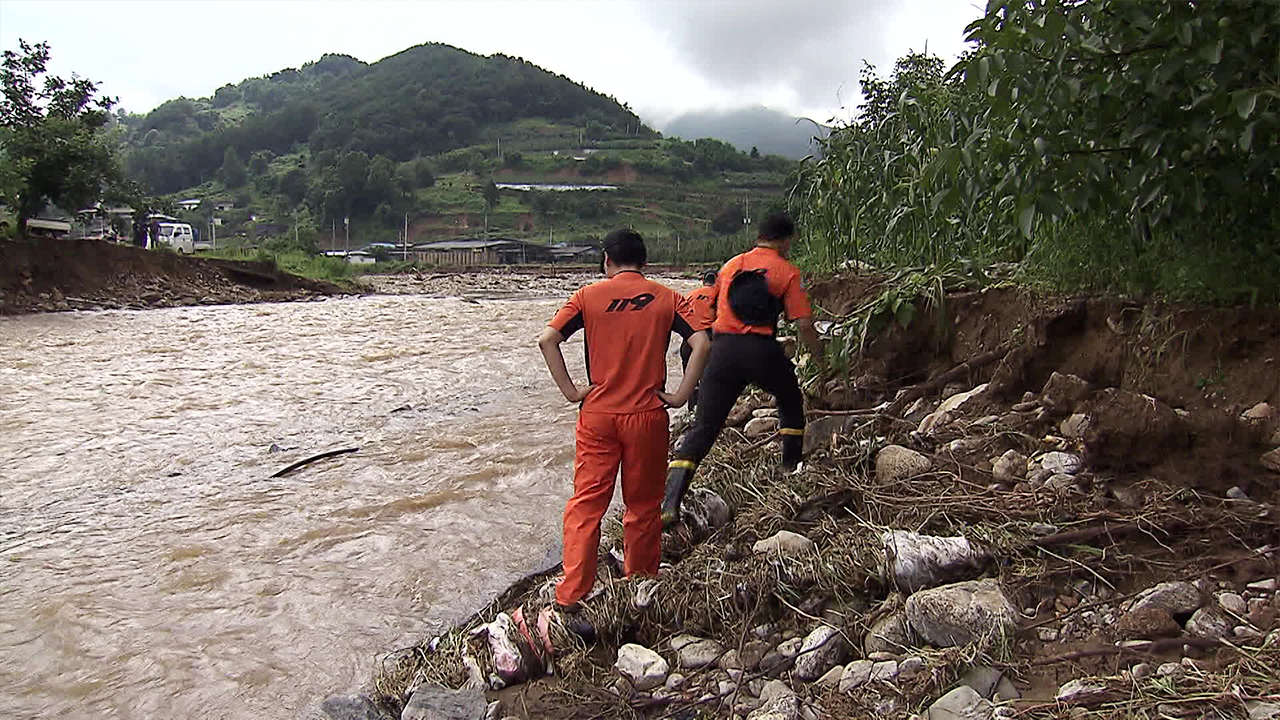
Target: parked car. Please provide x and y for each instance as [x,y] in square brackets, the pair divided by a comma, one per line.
[178,236]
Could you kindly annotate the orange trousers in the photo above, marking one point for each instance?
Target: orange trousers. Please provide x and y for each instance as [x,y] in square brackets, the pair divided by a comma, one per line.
[636,442]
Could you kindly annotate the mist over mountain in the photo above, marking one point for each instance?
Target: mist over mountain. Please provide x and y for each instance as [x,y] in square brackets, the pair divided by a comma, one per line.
[772,132]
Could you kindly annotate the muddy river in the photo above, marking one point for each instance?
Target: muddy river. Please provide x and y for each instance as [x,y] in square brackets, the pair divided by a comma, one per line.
[150,567]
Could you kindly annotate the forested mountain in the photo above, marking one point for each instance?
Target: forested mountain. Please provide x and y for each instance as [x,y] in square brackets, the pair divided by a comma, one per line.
[426,100]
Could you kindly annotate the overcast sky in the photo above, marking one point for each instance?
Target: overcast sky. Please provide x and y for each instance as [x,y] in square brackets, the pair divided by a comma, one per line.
[662,57]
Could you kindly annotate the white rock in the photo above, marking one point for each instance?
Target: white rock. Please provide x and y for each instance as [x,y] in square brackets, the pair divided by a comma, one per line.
[884,671]
[675,681]
[895,463]
[642,667]
[1062,463]
[699,654]
[910,667]
[1075,426]
[760,427]
[1259,710]
[962,703]
[831,678]
[888,634]
[1042,529]
[949,410]
[856,674]
[1247,634]
[983,679]
[1012,465]
[1265,585]
[764,412]
[912,561]
[964,446]
[784,543]
[962,613]
[1047,634]
[1078,691]
[822,649]
[1260,412]
[1209,622]
[1235,492]
[1171,670]
[1176,598]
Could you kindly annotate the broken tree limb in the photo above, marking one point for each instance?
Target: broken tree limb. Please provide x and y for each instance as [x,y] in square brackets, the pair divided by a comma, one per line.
[313,458]
[959,371]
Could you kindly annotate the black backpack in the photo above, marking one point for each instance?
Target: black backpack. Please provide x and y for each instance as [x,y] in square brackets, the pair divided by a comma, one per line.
[751,301]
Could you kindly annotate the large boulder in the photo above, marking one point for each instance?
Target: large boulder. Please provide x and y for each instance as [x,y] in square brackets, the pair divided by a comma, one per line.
[431,702]
[894,463]
[913,562]
[823,649]
[760,427]
[975,611]
[949,410]
[642,667]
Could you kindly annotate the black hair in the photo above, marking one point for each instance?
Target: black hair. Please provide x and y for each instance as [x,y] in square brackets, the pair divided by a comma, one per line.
[777,226]
[625,247]
[709,278]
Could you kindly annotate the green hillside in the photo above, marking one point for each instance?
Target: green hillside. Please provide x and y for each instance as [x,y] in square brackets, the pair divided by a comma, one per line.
[419,137]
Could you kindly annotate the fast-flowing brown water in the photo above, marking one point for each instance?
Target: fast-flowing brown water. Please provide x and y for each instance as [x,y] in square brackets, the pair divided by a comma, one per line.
[149,566]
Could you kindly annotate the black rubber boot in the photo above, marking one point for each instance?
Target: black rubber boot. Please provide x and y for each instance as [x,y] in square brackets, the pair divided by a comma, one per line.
[678,478]
[792,451]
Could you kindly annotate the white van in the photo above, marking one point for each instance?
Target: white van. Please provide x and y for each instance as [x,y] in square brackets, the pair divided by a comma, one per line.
[178,236]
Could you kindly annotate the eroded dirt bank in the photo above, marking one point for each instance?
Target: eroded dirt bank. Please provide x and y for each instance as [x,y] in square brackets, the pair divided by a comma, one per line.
[1080,497]
[59,275]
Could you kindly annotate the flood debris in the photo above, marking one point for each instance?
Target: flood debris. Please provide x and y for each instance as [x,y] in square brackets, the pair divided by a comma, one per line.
[1052,540]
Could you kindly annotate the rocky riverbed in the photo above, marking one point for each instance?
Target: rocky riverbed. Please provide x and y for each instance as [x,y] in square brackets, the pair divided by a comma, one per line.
[1023,528]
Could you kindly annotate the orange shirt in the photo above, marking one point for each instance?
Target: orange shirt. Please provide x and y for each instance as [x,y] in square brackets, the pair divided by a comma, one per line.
[703,300]
[784,282]
[628,321]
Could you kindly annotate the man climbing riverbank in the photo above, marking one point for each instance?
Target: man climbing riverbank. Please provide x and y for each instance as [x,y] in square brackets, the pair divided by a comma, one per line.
[622,421]
[703,300]
[752,290]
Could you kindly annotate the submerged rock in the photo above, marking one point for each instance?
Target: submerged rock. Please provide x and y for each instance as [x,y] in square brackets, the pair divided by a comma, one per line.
[894,463]
[976,611]
[913,562]
[432,702]
[642,667]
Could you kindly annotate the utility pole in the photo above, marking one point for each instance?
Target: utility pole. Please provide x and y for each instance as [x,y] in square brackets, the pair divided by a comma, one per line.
[405,256]
[346,228]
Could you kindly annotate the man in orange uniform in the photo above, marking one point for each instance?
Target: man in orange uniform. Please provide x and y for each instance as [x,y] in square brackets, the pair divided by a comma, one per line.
[703,300]
[752,289]
[628,321]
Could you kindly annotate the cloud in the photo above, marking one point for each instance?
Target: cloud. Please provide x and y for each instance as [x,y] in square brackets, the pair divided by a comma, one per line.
[800,54]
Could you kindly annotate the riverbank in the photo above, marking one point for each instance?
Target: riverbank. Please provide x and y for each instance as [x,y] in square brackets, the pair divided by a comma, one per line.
[1055,507]
[60,275]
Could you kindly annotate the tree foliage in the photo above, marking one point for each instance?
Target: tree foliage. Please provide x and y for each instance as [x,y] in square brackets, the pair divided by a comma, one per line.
[52,137]
[1114,144]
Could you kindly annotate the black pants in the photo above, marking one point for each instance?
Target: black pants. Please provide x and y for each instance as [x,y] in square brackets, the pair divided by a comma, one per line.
[686,351]
[738,361]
